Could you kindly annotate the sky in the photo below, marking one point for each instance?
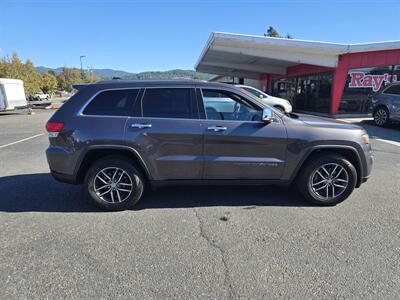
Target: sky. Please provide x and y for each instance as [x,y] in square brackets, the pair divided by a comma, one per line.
[139,35]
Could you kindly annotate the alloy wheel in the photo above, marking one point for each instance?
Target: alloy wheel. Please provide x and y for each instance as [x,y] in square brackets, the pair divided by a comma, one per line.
[112,185]
[328,181]
[381,117]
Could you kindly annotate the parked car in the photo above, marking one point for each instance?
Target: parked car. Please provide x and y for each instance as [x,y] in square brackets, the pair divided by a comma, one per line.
[41,96]
[12,94]
[39,99]
[281,104]
[119,137]
[386,105]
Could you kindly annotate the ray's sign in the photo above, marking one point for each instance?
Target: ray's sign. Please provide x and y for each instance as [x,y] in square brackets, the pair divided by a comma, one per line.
[374,81]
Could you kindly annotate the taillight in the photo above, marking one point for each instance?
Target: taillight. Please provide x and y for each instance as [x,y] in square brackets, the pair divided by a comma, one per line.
[53,128]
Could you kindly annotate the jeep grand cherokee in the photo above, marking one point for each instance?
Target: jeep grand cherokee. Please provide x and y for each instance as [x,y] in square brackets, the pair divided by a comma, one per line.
[118,137]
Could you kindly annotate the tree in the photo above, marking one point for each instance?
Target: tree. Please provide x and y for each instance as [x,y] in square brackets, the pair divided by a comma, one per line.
[49,83]
[14,68]
[31,78]
[68,77]
[272,32]
[92,77]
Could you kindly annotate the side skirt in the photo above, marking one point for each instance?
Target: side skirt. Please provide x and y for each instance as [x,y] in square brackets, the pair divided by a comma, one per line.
[218,182]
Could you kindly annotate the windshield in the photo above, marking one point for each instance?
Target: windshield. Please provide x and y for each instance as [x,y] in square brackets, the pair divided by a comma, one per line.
[255,92]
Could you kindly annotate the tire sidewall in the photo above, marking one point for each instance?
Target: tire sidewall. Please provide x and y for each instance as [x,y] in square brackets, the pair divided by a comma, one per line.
[127,166]
[387,114]
[305,188]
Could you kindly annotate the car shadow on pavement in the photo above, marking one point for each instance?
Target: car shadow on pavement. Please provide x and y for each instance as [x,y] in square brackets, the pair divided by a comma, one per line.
[207,196]
[390,132]
[41,193]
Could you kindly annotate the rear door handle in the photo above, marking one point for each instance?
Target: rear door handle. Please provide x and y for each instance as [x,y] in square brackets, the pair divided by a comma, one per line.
[217,128]
[140,125]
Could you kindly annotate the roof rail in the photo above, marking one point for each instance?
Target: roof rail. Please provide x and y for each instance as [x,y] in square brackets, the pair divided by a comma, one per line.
[80,86]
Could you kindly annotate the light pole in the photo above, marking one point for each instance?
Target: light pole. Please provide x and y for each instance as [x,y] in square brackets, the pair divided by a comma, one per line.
[80,57]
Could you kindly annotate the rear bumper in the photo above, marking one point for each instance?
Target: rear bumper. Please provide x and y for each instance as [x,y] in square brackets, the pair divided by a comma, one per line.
[61,164]
[64,177]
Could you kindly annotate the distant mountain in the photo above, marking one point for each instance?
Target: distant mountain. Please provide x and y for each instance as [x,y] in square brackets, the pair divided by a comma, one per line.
[151,75]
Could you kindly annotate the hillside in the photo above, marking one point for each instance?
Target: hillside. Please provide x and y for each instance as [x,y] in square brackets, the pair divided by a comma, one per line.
[155,75]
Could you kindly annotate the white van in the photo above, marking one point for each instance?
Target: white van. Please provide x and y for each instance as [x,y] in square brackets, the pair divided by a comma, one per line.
[12,94]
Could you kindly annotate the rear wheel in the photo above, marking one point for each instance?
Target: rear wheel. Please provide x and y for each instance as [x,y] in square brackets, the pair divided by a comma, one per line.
[327,180]
[381,116]
[113,183]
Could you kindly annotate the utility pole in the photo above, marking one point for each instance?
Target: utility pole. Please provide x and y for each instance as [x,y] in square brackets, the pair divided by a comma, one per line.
[80,57]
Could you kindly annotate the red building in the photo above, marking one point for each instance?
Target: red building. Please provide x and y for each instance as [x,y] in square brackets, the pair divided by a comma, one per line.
[317,77]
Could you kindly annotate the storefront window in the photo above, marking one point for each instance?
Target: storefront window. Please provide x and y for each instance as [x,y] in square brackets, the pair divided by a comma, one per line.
[284,88]
[307,93]
[396,73]
[313,92]
[360,86]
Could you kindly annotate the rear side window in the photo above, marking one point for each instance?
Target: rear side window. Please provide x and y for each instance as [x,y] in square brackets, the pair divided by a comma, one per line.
[168,103]
[394,89]
[112,103]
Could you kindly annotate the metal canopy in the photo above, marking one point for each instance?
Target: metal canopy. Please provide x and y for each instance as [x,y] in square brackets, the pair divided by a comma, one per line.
[250,56]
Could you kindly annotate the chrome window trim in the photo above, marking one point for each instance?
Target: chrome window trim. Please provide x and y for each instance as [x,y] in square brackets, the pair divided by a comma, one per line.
[194,86]
[81,114]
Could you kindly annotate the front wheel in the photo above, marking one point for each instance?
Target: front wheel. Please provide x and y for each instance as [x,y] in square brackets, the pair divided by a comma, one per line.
[327,180]
[113,183]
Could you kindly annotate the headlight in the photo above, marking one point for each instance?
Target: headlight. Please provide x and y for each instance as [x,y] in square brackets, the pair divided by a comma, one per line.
[365,138]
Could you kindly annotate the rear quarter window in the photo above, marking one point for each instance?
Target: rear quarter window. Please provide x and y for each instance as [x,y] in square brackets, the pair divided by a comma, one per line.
[112,103]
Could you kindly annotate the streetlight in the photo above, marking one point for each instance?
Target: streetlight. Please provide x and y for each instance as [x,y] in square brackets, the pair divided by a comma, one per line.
[80,57]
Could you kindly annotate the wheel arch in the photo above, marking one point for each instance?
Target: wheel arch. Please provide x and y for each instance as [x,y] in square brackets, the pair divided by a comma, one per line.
[97,152]
[278,106]
[348,152]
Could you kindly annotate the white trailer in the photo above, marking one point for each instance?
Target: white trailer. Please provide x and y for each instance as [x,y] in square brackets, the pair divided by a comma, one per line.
[12,94]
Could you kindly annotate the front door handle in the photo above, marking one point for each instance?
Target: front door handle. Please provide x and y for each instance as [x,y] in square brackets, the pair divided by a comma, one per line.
[140,125]
[217,128]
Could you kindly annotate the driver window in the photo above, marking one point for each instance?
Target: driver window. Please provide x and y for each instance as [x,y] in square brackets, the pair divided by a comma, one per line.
[223,105]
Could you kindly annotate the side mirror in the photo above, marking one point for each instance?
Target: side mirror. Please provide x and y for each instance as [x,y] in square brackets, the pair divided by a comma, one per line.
[267,115]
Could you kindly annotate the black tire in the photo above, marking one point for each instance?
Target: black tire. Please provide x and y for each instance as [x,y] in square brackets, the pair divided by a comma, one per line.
[381,116]
[280,108]
[108,164]
[308,177]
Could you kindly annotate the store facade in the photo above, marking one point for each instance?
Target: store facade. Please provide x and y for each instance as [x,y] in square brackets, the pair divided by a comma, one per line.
[316,77]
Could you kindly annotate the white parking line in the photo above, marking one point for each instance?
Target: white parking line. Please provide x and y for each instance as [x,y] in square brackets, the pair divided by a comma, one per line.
[20,141]
[389,142]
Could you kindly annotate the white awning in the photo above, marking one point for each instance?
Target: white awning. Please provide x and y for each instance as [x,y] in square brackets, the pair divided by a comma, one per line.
[250,56]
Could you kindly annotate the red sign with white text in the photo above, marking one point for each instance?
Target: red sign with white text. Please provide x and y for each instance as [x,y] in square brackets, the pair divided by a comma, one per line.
[374,81]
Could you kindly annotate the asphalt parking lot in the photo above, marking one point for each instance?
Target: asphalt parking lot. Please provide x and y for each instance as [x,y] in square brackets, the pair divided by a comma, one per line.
[216,242]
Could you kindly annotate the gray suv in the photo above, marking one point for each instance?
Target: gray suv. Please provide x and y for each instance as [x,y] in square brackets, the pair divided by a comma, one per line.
[118,137]
[386,105]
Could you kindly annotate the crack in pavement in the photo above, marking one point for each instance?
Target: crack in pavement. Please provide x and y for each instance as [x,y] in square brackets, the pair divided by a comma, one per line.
[227,279]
